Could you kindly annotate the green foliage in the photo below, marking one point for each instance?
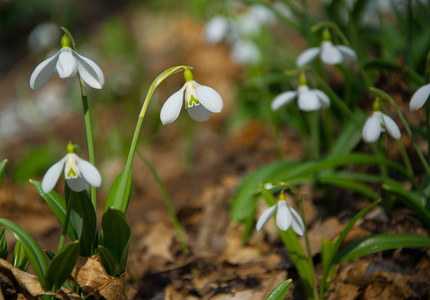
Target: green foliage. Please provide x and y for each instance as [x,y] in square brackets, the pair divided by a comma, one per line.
[380,242]
[114,241]
[280,291]
[3,244]
[114,197]
[35,254]
[36,162]
[83,221]
[20,258]
[2,170]
[61,266]
[57,204]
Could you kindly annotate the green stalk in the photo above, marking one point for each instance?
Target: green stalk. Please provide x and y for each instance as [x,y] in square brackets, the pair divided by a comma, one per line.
[89,133]
[122,187]
[66,224]
[168,203]
[405,158]
[384,95]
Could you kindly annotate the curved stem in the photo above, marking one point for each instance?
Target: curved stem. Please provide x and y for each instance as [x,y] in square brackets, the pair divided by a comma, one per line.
[122,187]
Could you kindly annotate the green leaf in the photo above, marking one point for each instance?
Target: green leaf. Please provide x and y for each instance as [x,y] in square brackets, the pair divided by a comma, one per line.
[280,291]
[115,194]
[328,258]
[380,242]
[20,258]
[83,220]
[3,245]
[2,170]
[57,204]
[36,255]
[109,262]
[116,236]
[409,199]
[347,140]
[339,181]
[50,254]
[62,266]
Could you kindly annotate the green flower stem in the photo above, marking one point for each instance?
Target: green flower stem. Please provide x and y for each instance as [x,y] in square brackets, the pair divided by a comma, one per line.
[65,225]
[168,203]
[315,133]
[384,95]
[89,133]
[427,105]
[122,187]
[405,158]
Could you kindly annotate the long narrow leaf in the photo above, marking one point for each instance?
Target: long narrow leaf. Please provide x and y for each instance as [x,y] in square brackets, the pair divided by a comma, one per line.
[3,245]
[280,291]
[61,266]
[380,242]
[20,258]
[115,194]
[57,204]
[34,252]
[2,170]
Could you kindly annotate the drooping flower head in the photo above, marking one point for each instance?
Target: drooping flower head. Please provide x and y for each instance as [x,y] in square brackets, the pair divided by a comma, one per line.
[68,63]
[200,101]
[329,53]
[420,97]
[77,172]
[307,99]
[286,217]
[379,122]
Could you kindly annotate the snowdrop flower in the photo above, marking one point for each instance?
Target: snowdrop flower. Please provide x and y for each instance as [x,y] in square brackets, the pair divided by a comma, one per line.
[77,172]
[255,17]
[246,52]
[200,101]
[329,53]
[377,123]
[68,63]
[221,28]
[307,99]
[286,217]
[420,97]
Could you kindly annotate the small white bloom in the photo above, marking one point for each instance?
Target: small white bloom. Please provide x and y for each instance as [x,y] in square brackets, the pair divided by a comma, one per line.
[77,172]
[329,53]
[377,123]
[68,63]
[200,101]
[420,97]
[221,28]
[245,52]
[254,18]
[308,100]
[286,217]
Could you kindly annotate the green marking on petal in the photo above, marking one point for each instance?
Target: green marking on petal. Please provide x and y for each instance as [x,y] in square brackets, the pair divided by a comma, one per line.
[193,101]
[71,173]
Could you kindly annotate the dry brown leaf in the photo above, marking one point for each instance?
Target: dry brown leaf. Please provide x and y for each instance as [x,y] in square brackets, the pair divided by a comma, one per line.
[93,279]
[28,286]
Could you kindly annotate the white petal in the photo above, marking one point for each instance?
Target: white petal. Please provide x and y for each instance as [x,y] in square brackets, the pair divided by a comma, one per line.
[246,52]
[265,217]
[308,101]
[216,29]
[348,53]
[283,99]
[283,216]
[324,99]
[199,113]
[420,97]
[90,72]
[77,184]
[172,107]
[391,127]
[208,97]
[52,175]
[66,64]
[372,129]
[89,172]
[307,56]
[330,54]
[297,223]
[43,72]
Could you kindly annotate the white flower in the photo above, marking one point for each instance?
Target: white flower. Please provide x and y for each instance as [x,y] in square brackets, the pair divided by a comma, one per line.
[377,123]
[254,18]
[329,53]
[68,63]
[77,172]
[219,28]
[200,101]
[308,100]
[286,217]
[245,52]
[420,97]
